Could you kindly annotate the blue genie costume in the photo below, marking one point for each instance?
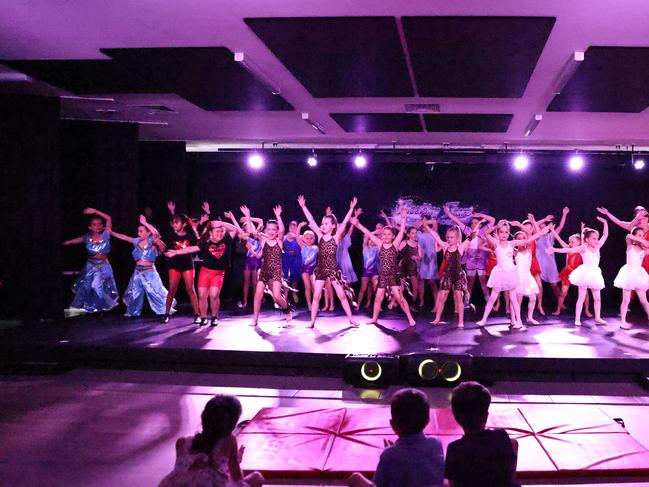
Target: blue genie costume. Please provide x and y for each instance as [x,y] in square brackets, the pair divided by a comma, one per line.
[95,289]
[145,281]
[292,261]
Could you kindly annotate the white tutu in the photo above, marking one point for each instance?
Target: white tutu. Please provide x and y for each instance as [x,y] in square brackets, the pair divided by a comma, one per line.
[527,285]
[631,278]
[587,276]
[503,279]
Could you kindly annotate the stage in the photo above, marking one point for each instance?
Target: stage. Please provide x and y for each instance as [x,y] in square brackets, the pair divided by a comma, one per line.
[554,350]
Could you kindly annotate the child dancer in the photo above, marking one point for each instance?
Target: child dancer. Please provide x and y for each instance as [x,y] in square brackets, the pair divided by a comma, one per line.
[180,266]
[428,263]
[292,256]
[370,277]
[270,274]
[145,279]
[527,286]
[309,251]
[329,235]
[454,278]
[504,277]
[632,277]
[344,260]
[212,457]
[214,249]
[252,265]
[95,289]
[475,258]
[388,265]
[547,262]
[588,275]
[410,254]
[572,262]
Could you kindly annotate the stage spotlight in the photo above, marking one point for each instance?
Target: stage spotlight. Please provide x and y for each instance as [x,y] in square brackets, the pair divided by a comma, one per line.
[360,161]
[638,162]
[371,370]
[312,160]
[521,162]
[255,160]
[576,163]
[435,369]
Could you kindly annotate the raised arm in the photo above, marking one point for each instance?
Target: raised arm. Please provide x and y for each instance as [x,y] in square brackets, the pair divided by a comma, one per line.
[105,216]
[531,238]
[121,236]
[491,221]
[348,215]
[278,215]
[622,224]
[535,224]
[354,221]
[171,206]
[233,219]
[388,222]
[438,240]
[301,200]
[403,213]
[154,231]
[453,218]
[562,222]
[73,241]
[604,237]
[559,239]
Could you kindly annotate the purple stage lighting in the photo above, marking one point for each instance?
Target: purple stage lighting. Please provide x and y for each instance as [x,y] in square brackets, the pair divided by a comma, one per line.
[360,161]
[638,164]
[255,161]
[576,163]
[521,162]
[312,161]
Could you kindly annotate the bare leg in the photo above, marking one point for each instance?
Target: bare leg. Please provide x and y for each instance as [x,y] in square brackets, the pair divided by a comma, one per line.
[203,292]
[483,285]
[434,288]
[458,298]
[371,291]
[246,287]
[539,298]
[315,306]
[188,277]
[276,289]
[340,292]
[488,307]
[583,292]
[414,282]
[562,298]
[308,289]
[642,297]
[361,293]
[404,304]
[555,290]
[173,289]
[378,301]
[587,306]
[531,301]
[597,306]
[515,309]
[332,302]
[215,300]
[624,307]
[422,291]
[256,304]
[439,306]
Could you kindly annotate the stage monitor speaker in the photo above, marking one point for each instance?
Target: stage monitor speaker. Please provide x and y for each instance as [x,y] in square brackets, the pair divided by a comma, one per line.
[374,370]
[436,369]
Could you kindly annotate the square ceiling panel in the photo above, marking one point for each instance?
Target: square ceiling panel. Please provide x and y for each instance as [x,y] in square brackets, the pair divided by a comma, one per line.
[335,57]
[208,77]
[378,122]
[475,57]
[609,79]
[468,122]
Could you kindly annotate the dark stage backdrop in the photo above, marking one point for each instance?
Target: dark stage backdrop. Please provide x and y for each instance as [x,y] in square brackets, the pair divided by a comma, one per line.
[224,180]
[30,262]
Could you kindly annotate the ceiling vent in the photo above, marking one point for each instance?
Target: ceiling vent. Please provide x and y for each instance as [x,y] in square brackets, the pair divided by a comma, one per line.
[422,107]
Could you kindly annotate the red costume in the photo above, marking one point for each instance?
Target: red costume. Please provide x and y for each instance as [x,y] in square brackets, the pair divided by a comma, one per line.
[574,261]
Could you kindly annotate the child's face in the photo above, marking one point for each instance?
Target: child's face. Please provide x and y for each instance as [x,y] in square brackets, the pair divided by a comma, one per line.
[387,236]
[309,239]
[378,228]
[142,232]
[639,233]
[452,237]
[574,242]
[292,227]
[527,227]
[96,225]
[271,230]
[592,239]
[475,223]
[412,234]
[503,233]
[217,233]
[177,225]
[326,226]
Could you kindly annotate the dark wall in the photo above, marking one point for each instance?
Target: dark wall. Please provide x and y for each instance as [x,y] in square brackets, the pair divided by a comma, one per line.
[225,181]
[30,263]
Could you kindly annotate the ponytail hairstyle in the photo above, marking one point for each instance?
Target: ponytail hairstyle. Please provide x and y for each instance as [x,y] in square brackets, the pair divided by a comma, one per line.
[182,219]
[521,233]
[218,420]
[587,232]
[456,229]
[634,230]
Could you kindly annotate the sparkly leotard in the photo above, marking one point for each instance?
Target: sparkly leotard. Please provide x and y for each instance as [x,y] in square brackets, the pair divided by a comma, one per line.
[454,278]
[388,266]
[327,262]
[271,267]
[408,263]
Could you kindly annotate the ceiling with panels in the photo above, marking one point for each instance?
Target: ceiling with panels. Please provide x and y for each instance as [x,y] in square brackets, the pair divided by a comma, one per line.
[417,73]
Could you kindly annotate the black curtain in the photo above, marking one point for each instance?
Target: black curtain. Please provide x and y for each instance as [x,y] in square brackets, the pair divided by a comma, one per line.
[30,257]
[100,170]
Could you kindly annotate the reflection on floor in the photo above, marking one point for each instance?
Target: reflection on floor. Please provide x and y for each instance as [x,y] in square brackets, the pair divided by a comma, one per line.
[110,428]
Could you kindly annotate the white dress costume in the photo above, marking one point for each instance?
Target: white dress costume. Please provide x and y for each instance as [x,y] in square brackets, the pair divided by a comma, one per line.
[632,275]
[504,275]
[588,275]
[526,284]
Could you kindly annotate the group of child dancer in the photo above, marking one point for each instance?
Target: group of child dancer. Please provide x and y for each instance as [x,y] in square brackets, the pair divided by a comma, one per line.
[397,261]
